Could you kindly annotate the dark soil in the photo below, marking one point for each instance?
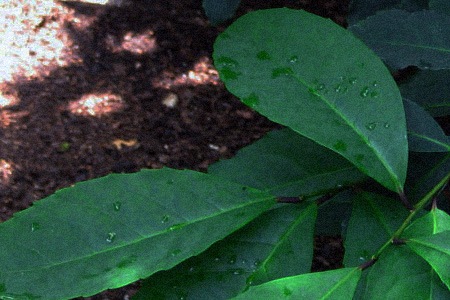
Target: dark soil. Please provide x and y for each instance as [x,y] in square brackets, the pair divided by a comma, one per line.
[155,100]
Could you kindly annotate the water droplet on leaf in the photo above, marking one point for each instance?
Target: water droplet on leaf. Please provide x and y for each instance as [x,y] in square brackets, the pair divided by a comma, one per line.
[263,55]
[239,271]
[284,71]
[117,205]
[375,83]
[386,125]
[111,237]
[340,146]
[165,219]
[232,259]
[364,92]
[35,226]
[252,100]
[352,80]
[293,59]
[371,126]
[175,252]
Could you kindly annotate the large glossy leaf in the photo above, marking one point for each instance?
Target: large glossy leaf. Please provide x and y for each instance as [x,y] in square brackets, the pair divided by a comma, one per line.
[403,39]
[424,133]
[111,231]
[399,273]
[298,72]
[374,220]
[435,249]
[335,284]
[277,244]
[429,89]
[361,9]
[218,11]
[433,222]
[286,164]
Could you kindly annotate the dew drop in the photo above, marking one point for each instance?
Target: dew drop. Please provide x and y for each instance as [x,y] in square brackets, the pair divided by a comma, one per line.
[375,83]
[216,259]
[371,126]
[232,259]
[117,205]
[374,94]
[287,291]
[239,271]
[340,146]
[175,252]
[111,237]
[252,100]
[176,226]
[284,71]
[257,262]
[364,92]
[352,80]
[263,55]
[293,59]
[165,219]
[320,87]
[35,226]
[386,125]
[191,269]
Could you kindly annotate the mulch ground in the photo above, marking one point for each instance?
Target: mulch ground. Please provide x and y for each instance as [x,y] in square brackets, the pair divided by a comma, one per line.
[87,90]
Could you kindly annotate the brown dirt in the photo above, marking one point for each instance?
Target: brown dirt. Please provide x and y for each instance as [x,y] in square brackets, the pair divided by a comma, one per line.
[87,90]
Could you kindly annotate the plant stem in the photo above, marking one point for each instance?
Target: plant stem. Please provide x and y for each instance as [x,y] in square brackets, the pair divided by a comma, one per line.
[413,212]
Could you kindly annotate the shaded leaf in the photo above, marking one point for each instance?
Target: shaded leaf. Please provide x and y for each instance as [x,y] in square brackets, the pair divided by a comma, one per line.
[435,249]
[361,9]
[277,244]
[286,164]
[333,215]
[429,89]
[424,133]
[375,215]
[298,73]
[399,273]
[440,6]
[424,172]
[218,11]
[335,284]
[405,39]
[108,232]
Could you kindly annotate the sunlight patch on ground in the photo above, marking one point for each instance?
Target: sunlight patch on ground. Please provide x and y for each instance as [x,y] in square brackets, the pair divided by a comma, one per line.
[203,72]
[96,105]
[136,43]
[31,42]
[6,171]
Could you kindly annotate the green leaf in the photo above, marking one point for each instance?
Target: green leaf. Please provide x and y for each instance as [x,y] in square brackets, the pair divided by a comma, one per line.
[433,222]
[429,89]
[298,72]
[361,9]
[218,11]
[425,171]
[424,133]
[277,244]
[335,284]
[435,249]
[372,215]
[442,6]
[108,232]
[399,273]
[403,39]
[333,215]
[286,164]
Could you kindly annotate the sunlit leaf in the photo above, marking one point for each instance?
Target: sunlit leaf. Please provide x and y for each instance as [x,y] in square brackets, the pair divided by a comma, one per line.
[298,72]
[403,39]
[435,249]
[286,164]
[335,284]
[108,232]
[277,244]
